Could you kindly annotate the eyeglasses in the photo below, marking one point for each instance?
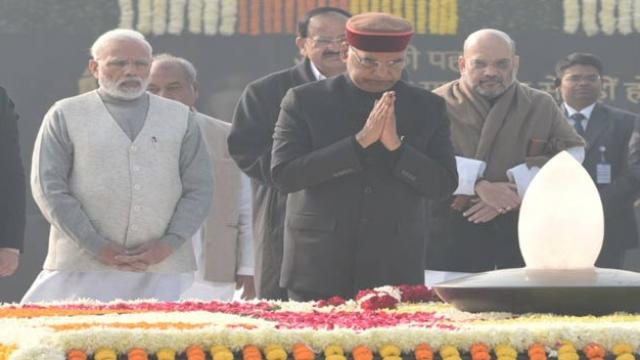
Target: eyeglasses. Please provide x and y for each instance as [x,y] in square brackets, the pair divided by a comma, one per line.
[370,63]
[578,78]
[319,41]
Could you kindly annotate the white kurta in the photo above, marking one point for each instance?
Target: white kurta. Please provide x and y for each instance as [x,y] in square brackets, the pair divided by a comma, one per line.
[106,286]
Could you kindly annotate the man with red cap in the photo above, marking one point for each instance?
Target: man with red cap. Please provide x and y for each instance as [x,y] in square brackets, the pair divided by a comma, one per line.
[359,154]
[320,34]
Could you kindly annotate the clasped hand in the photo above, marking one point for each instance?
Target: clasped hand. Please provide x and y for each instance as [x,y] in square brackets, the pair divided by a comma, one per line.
[493,199]
[381,124]
[138,258]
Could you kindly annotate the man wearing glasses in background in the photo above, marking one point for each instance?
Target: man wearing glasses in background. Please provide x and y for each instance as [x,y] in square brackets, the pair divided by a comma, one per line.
[607,131]
[358,155]
[320,35]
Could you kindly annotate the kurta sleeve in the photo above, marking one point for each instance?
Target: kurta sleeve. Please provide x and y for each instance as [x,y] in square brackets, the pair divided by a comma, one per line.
[430,171]
[196,174]
[50,168]
[295,164]
[245,232]
[12,219]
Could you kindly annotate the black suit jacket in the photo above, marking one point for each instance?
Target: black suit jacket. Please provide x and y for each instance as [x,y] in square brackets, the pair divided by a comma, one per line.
[250,143]
[355,217]
[610,128]
[12,178]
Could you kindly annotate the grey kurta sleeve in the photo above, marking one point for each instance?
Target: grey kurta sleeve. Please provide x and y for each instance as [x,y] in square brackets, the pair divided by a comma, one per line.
[52,162]
[197,187]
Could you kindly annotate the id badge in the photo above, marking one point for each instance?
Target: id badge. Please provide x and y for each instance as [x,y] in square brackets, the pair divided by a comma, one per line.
[603,173]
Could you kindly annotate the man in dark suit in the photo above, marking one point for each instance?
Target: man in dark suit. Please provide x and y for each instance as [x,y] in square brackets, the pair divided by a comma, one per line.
[12,188]
[319,36]
[606,130]
[358,155]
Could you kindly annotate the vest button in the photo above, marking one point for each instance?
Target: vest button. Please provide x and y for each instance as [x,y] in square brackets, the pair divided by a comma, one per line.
[137,186]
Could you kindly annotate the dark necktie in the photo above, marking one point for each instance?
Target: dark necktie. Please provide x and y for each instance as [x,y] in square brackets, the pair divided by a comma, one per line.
[577,123]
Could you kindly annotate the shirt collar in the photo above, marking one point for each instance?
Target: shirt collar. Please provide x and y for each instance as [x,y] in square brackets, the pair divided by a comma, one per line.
[316,73]
[586,111]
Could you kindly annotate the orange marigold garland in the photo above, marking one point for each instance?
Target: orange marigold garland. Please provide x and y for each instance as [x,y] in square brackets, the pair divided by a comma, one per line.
[344,4]
[301,9]
[267,16]
[195,352]
[137,354]
[537,352]
[594,351]
[423,352]
[302,352]
[251,352]
[386,6]
[290,16]
[255,17]
[243,15]
[311,4]
[277,16]
[75,354]
[362,352]
[480,351]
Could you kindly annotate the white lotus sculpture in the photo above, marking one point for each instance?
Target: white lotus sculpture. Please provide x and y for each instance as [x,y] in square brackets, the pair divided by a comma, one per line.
[561,222]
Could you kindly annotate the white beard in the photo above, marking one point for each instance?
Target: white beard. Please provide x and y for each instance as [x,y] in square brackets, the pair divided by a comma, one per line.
[113,88]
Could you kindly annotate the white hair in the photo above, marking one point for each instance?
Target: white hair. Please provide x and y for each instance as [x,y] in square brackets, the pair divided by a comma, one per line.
[118,34]
[189,70]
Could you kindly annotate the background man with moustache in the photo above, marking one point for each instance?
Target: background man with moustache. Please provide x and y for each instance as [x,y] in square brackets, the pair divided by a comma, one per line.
[320,34]
[358,155]
[502,132]
[124,178]
[607,131]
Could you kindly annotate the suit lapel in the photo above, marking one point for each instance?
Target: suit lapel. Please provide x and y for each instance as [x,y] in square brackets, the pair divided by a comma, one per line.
[598,123]
[302,73]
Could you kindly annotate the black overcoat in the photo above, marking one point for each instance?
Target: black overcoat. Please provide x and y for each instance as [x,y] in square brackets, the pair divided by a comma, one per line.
[250,143]
[355,217]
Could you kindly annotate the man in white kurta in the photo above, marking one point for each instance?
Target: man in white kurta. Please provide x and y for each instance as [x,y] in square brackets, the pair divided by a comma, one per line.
[224,247]
[124,178]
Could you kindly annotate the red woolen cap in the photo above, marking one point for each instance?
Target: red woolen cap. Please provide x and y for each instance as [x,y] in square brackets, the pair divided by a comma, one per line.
[378,32]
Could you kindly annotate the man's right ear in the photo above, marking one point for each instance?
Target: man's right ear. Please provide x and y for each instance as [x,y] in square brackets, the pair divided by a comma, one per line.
[300,43]
[93,68]
[557,82]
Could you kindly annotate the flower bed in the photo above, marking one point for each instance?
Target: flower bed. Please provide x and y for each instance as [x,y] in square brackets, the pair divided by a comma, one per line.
[380,324]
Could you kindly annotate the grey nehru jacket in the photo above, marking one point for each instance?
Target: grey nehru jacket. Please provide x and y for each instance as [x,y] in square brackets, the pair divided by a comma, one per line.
[66,198]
